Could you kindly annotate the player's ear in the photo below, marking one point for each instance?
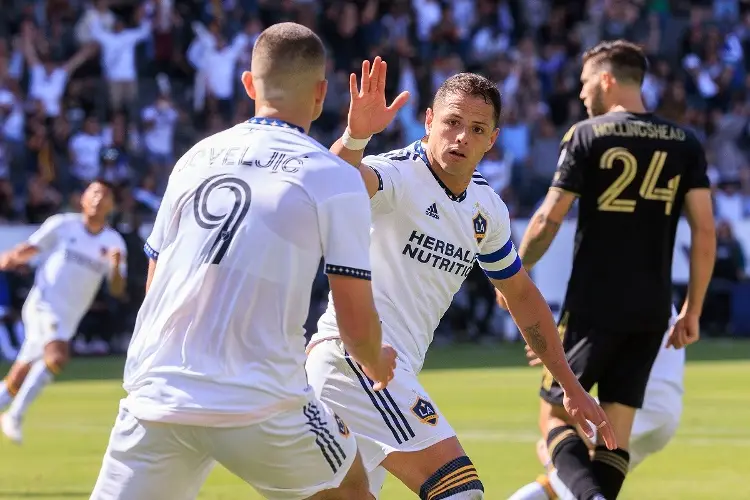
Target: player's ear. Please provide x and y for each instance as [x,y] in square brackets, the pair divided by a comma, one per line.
[321,91]
[606,80]
[247,81]
[493,138]
[428,117]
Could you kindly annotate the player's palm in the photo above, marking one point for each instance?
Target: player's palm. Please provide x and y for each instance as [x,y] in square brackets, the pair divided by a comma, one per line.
[382,372]
[582,407]
[369,113]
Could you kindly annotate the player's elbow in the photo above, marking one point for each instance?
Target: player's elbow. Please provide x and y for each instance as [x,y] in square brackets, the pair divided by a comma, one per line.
[355,309]
[518,290]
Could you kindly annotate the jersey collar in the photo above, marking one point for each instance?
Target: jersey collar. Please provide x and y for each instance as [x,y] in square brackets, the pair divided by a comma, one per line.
[273,122]
[422,154]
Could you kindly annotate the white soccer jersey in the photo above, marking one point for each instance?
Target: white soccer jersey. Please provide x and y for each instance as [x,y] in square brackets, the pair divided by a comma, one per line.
[246,218]
[75,263]
[424,243]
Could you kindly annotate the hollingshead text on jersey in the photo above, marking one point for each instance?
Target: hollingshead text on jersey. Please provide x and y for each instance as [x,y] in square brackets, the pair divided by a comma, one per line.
[439,254]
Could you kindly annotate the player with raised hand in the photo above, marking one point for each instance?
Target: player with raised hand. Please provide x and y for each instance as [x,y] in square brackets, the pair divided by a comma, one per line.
[79,251]
[215,370]
[633,174]
[433,217]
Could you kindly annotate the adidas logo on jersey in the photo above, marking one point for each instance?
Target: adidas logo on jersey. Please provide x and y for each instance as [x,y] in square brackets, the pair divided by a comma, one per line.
[432,211]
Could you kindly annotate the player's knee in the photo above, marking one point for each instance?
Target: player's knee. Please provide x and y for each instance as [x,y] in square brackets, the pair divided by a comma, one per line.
[56,355]
[456,480]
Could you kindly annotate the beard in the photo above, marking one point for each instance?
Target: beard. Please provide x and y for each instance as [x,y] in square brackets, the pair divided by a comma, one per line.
[597,104]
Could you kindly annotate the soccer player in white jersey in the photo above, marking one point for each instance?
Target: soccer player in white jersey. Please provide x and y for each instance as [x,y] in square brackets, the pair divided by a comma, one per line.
[654,427]
[79,251]
[433,217]
[215,370]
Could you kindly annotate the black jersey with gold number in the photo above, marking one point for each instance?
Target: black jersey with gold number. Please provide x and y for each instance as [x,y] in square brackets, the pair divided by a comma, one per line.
[631,173]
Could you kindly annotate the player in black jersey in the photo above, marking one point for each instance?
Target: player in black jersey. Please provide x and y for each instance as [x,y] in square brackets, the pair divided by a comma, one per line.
[633,173]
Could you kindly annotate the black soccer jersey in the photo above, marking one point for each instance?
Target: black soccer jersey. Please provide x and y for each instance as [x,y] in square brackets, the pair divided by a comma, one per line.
[631,173]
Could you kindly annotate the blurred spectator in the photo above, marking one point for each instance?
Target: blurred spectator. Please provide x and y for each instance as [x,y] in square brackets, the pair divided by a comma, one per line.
[122,88]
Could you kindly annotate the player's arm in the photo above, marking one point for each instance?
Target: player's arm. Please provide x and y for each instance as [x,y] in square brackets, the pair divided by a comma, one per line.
[502,265]
[118,270]
[699,212]
[544,225]
[344,222]
[566,187]
[354,157]
[42,240]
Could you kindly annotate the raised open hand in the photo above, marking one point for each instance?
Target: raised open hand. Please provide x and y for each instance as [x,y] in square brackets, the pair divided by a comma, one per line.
[368,112]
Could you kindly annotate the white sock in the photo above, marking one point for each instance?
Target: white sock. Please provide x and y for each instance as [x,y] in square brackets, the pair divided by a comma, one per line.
[563,493]
[38,377]
[5,396]
[532,491]
[467,495]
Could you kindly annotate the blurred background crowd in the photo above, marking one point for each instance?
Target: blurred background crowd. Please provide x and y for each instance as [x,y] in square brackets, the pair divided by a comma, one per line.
[121,88]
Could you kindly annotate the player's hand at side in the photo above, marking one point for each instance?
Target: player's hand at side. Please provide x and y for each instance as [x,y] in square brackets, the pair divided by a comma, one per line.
[532,357]
[115,257]
[382,372]
[685,331]
[369,113]
[582,407]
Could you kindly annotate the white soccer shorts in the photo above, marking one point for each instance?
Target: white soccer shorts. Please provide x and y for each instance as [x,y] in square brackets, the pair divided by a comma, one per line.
[41,326]
[401,417]
[656,423]
[291,456]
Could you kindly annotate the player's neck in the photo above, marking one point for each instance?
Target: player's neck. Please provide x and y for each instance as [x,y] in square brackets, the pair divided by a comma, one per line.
[629,107]
[455,182]
[266,110]
[93,226]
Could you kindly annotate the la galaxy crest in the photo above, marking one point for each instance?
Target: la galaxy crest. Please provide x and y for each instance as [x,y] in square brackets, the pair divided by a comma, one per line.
[480,223]
[343,429]
[425,411]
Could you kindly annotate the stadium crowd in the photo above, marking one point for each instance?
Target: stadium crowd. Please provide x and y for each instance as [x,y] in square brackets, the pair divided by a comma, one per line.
[120,88]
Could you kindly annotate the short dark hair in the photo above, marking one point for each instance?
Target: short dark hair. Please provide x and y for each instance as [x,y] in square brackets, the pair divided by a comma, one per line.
[627,61]
[104,182]
[284,49]
[474,85]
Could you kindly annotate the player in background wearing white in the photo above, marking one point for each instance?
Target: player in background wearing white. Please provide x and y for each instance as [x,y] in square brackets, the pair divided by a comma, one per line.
[215,369]
[654,427]
[433,216]
[80,250]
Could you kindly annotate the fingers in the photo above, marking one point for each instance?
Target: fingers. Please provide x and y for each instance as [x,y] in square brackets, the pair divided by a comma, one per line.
[605,429]
[400,101]
[374,74]
[365,84]
[383,70]
[535,362]
[353,90]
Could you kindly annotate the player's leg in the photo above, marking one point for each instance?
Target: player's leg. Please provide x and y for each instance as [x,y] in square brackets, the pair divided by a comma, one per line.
[621,392]
[588,354]
[31,349]
[399,427]
[152,460]
[40,374]
[307,452]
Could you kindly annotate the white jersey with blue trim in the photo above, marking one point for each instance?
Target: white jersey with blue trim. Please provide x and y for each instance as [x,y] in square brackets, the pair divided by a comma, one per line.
[425,241]
[75,263]
[246,218]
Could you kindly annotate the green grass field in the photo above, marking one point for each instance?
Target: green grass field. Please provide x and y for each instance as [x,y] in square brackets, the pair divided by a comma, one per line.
[488,395]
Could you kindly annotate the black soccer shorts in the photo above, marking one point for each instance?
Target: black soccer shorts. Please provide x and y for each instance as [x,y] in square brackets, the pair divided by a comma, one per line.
[618,363]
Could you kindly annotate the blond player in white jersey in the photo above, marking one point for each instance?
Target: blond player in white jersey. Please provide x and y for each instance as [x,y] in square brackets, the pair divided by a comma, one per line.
[215,369]
[654,426]
[79,251]
[433,217]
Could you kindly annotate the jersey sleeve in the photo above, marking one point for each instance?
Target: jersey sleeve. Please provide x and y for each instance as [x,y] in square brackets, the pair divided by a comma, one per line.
[569,174]
[154,242]
[389,183]
[498,258]
[697,174]
[344,222]
[48,234]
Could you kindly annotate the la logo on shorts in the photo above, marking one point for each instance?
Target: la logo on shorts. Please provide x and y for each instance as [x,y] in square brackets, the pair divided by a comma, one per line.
[424,411]
[343,429]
